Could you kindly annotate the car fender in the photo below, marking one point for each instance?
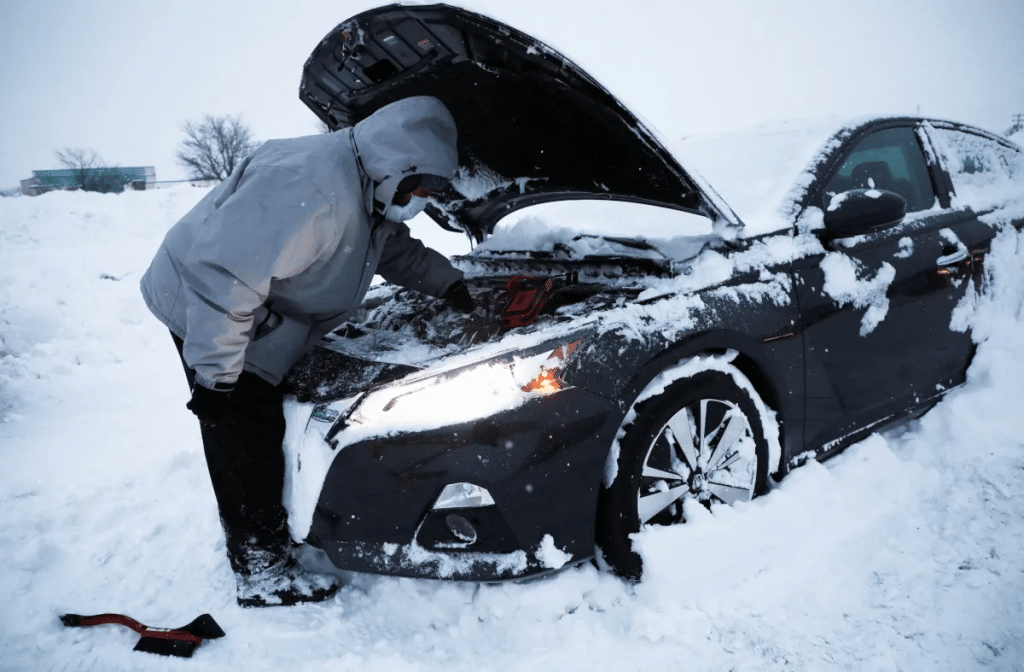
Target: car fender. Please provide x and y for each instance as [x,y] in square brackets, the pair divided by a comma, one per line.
[778,385]
[619,368]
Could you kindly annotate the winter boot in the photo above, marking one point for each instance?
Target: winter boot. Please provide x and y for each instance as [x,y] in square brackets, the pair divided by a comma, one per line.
[267,574]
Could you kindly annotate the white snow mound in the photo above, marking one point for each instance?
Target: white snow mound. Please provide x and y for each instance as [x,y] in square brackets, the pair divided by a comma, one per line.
[906,552]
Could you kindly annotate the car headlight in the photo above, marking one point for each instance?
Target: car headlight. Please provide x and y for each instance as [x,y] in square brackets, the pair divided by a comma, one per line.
[466,393]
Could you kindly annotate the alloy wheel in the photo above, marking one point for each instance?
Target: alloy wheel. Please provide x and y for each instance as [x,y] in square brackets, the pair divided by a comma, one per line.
[707,452]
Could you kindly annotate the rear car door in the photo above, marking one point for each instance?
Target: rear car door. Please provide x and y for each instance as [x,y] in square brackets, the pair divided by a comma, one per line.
[984,172]
[878,308]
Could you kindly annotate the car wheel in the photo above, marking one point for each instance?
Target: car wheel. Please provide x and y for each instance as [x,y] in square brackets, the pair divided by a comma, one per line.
[700,438]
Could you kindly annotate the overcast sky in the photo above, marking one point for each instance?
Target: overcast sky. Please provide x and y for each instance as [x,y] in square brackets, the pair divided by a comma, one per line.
[120,76]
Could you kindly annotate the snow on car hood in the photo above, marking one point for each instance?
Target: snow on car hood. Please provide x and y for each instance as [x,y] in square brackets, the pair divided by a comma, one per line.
[398,332]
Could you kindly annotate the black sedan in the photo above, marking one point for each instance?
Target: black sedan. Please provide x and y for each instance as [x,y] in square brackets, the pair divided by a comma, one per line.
[605,381]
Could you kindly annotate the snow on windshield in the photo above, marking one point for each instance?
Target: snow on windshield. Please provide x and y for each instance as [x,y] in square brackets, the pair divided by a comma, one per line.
[758,170]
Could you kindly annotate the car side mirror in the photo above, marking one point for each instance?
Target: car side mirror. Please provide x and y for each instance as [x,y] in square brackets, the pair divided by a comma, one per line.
[860,211]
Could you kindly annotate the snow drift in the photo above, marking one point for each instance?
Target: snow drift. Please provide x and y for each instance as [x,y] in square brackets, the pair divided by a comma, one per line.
[905,552]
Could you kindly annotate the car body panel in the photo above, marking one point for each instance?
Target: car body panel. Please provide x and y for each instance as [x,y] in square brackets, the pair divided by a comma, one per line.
[912,354]
[557,446]
[542,468]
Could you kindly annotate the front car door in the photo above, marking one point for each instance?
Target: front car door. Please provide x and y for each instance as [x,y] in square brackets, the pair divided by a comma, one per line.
[878,308]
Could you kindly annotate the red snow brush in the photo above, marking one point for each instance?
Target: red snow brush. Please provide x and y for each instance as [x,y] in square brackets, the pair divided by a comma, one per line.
[179,642]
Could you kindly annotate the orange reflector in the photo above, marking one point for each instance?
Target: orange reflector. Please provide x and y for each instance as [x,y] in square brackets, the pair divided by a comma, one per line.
[544,383]
[547,382]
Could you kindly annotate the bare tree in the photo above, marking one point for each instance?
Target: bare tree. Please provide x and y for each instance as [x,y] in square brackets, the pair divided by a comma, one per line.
[213,147]
[77,158]
[83,163]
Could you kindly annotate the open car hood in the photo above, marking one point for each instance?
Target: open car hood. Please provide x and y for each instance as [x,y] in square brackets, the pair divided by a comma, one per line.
[533,127]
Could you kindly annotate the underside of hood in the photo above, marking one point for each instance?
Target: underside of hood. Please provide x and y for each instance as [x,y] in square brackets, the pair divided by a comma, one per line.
[533,127]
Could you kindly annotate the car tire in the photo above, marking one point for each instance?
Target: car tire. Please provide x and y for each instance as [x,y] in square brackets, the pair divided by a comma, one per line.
[654,473]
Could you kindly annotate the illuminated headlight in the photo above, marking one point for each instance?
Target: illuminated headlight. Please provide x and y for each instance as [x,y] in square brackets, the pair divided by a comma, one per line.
[466,393]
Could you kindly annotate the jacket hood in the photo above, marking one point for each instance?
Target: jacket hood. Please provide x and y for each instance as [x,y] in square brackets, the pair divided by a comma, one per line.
[414,135]
[533,126]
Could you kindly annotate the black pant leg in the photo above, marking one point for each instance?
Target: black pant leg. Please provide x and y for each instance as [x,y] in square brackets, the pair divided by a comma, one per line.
[244,456]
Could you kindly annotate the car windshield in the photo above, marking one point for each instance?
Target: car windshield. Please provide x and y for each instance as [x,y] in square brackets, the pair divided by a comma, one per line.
[580,229]
[759,171]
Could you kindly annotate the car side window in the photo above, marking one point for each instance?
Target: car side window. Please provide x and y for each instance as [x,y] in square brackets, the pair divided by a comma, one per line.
[981,168]
[889,160]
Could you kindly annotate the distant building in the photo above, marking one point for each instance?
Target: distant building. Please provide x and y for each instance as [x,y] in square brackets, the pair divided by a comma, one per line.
[106,180]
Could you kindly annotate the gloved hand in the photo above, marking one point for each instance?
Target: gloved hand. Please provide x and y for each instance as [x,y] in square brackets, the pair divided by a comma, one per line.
[458,296]
[211,406]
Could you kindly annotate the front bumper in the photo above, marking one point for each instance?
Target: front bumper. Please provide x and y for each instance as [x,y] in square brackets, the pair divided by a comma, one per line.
[541,463]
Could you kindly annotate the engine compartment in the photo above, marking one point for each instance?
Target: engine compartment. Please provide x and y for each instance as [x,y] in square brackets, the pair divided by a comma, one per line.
[398,331]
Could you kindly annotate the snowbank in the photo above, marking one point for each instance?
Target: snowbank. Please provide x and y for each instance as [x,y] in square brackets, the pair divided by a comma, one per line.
[906,552]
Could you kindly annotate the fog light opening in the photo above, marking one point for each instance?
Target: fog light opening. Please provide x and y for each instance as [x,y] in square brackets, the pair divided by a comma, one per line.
[460,528]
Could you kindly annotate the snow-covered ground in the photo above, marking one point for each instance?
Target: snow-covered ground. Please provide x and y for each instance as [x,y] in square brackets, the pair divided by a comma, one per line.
[904,553]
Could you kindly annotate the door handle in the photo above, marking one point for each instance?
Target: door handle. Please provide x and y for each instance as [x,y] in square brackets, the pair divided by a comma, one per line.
[956,257]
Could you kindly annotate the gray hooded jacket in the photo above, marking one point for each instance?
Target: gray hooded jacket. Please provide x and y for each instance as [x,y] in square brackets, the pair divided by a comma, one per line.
[279,253]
